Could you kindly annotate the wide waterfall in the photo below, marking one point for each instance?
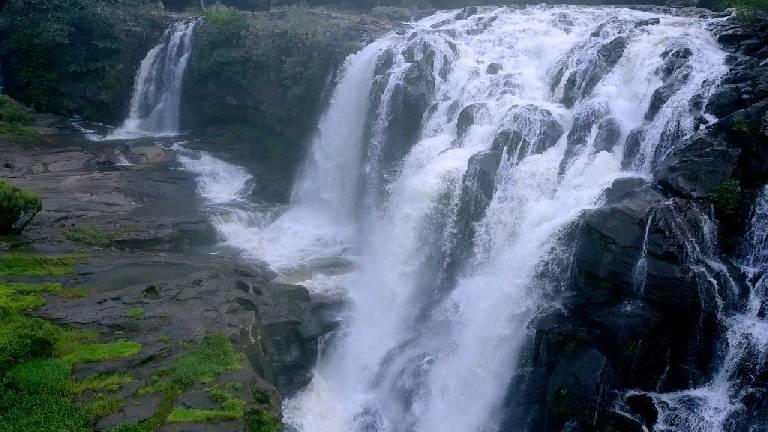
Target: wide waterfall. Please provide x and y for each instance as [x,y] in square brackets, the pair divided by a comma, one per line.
[154,105]
[447,170]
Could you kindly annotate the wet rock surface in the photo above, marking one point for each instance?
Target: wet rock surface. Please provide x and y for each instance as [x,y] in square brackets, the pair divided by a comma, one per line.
[149,274]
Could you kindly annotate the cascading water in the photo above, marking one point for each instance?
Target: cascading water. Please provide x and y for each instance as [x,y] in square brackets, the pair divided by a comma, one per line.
[720,406]
[487,137]
[154,106]
[448,166]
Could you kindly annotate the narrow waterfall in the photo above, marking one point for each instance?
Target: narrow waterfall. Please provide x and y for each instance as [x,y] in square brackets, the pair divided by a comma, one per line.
[154,106]
[447,170]
[719,406]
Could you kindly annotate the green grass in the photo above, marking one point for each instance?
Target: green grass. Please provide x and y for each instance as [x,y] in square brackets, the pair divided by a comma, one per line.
[102,352]
[48,376]
[103,406]
[23,338]
[232,408]
[89,236]
[131,428]
[201,364]
[24,296]
[67,341]
[16,264]
[22,412]
[135,312]
[100,382]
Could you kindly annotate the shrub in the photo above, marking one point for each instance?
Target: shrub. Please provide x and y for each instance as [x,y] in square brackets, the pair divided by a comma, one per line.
[261,420]
[726,197]
[17,208]
[15,118]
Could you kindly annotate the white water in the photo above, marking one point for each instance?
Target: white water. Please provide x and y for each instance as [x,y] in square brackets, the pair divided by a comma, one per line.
[154,106]
[715,406]
[406,359]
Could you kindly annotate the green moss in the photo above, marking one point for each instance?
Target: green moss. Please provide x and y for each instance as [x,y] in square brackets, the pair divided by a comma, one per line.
[102,352]
[130,428]
[49,376]
[24,296]
[726,197]
[16,264]
[100,382]
[261,420]
[89,236]
[103,406]
[68,341]
[71,293]
[201,364]
[135,313]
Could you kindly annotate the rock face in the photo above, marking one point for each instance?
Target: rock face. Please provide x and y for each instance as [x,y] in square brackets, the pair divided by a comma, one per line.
[264,78]
[651,267]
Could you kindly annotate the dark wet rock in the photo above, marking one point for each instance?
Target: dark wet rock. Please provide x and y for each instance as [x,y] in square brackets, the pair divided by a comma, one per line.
[632,147]
[608,133]
[581,82]
[585,120]
[698,166]
[724,100]
[493,68]
[469,116]
[466,13]
[578,389]
[674,73]
[510,137]
[643,406]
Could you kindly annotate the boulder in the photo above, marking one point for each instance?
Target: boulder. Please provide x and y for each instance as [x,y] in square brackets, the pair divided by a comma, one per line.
[581,82]
[469,116]
[527,130]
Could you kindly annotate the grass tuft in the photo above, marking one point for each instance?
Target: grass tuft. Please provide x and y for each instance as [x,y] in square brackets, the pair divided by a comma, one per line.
[102,352]
[135,312]
[88,235]
[16,264]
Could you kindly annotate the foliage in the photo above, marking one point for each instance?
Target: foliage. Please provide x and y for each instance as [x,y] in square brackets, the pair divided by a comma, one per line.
[201,364]
[23,338]
[22,412]
[15,118]
[130,428]
[102,352]
[103,406]
[261,420]
[726,197]
[88,235]
[135,312]
[745,8]
[16,264]
[52,47]
[17,208]
[49,376]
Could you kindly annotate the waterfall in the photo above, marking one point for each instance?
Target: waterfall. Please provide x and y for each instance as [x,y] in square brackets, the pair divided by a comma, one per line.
[156,97]
[720,405]
[451,162]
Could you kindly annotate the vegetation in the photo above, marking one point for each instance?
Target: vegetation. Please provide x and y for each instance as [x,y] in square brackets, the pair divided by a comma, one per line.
[135,312]
[746,8]
[16,264]
[102,352]
[17,207]
[75,56]
[88,235]
[15,118]
[727,197]
[37,389]
[261,420]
